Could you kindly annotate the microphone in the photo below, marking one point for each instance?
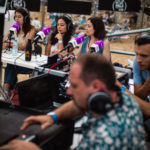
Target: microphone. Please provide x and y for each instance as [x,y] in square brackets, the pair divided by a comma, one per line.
[96,46]
[74,43]
[13,30]
[41,34]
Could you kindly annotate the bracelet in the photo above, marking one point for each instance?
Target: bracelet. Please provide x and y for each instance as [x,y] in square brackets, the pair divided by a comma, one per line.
[61,41]
[54,116]
[123,88]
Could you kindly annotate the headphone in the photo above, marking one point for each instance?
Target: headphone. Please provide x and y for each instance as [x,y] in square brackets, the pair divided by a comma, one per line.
[101,102]
[26,17]
[69,23]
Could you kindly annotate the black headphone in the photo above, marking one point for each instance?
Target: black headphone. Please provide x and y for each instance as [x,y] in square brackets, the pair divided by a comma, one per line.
[70,22]
[26,17]
[101,102]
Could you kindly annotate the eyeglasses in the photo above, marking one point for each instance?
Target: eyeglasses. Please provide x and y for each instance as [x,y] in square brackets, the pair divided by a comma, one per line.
[17,16]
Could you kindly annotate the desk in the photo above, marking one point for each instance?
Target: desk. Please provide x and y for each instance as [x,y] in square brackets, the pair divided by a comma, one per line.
[36,61]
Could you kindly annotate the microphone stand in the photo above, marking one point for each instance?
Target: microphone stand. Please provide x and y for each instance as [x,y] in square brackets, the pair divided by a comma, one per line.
[68,52]
[9,41]
[1,41]
[37,49]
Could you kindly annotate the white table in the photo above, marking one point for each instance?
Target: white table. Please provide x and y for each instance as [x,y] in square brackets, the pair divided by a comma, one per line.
[36,61]
[19,60]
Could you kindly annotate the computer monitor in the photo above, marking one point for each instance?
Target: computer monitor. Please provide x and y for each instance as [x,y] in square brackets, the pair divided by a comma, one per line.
[3,5]
[43,91]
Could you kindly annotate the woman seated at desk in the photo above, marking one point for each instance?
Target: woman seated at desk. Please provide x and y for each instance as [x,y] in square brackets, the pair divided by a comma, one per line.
[25,32]
[61,35]
[95,30]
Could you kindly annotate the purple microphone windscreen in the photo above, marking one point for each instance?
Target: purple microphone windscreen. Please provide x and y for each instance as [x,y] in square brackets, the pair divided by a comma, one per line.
[46,30]
[16,25]
[79,39]
[99,43]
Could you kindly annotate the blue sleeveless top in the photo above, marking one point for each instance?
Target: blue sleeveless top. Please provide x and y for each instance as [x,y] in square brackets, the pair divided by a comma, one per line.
[84,46]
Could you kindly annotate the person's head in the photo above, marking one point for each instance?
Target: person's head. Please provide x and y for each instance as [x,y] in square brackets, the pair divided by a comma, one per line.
[90,73]
[142,50]
[22,17]
[95,27]
[64,26]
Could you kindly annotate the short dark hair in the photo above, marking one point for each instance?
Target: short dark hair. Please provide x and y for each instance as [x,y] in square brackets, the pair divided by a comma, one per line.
[142,40]
[99,27]
[95,66]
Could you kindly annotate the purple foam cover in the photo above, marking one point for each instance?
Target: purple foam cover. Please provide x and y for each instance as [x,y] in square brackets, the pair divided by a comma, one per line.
[16,25]
[99,43]
[46,30]
[79,39]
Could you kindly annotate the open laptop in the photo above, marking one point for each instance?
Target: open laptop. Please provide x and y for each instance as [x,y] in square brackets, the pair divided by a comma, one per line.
[43,92]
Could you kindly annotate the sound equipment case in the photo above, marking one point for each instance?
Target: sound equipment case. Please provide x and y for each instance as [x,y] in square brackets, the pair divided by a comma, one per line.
[57,137]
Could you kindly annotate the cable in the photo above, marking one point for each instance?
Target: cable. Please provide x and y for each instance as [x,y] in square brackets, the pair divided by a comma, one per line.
[18,58]
[4,94]
[56,64]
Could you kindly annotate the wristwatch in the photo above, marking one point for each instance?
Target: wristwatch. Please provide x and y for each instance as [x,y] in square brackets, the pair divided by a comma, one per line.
[54,116]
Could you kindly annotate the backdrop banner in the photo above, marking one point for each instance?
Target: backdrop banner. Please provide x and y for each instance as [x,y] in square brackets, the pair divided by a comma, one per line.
[72,6]
[120,5]
[31,5]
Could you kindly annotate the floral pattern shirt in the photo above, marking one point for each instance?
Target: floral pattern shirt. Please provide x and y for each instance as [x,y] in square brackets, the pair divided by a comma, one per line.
[119,129]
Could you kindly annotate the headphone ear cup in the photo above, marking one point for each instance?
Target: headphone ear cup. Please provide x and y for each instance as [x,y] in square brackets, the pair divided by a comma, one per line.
[100,103]
[69,24]
[26,18]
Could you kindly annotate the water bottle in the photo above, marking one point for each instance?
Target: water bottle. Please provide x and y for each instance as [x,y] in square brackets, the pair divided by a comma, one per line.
[28,50]
[15,48]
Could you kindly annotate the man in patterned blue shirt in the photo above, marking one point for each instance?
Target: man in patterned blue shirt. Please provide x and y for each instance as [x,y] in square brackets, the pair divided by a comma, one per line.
[114,118]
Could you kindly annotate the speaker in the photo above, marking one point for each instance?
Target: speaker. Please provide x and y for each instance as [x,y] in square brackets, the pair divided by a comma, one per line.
[101,102]
[70,7]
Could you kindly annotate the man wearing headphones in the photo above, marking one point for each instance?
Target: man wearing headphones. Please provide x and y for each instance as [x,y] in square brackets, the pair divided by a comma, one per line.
[114,118]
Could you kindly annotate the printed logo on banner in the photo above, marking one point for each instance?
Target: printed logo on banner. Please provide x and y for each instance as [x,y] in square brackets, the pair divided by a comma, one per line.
[17,3]
[119,5]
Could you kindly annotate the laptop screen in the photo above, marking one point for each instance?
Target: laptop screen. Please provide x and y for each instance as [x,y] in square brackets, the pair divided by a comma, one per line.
[42,91]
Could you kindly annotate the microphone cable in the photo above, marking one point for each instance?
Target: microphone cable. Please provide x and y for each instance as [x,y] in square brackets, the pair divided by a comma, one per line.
[56,64]
[16,60]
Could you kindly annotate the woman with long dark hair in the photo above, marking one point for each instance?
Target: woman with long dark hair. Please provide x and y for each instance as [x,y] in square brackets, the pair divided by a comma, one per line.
[61,35]
[25,32]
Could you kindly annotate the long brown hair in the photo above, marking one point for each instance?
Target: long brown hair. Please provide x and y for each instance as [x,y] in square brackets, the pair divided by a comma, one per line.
[99,27]
[27,21]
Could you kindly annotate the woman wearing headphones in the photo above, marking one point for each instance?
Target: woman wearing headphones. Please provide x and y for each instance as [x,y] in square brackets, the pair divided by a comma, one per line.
[25,32]
[95,30]
[61,35]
